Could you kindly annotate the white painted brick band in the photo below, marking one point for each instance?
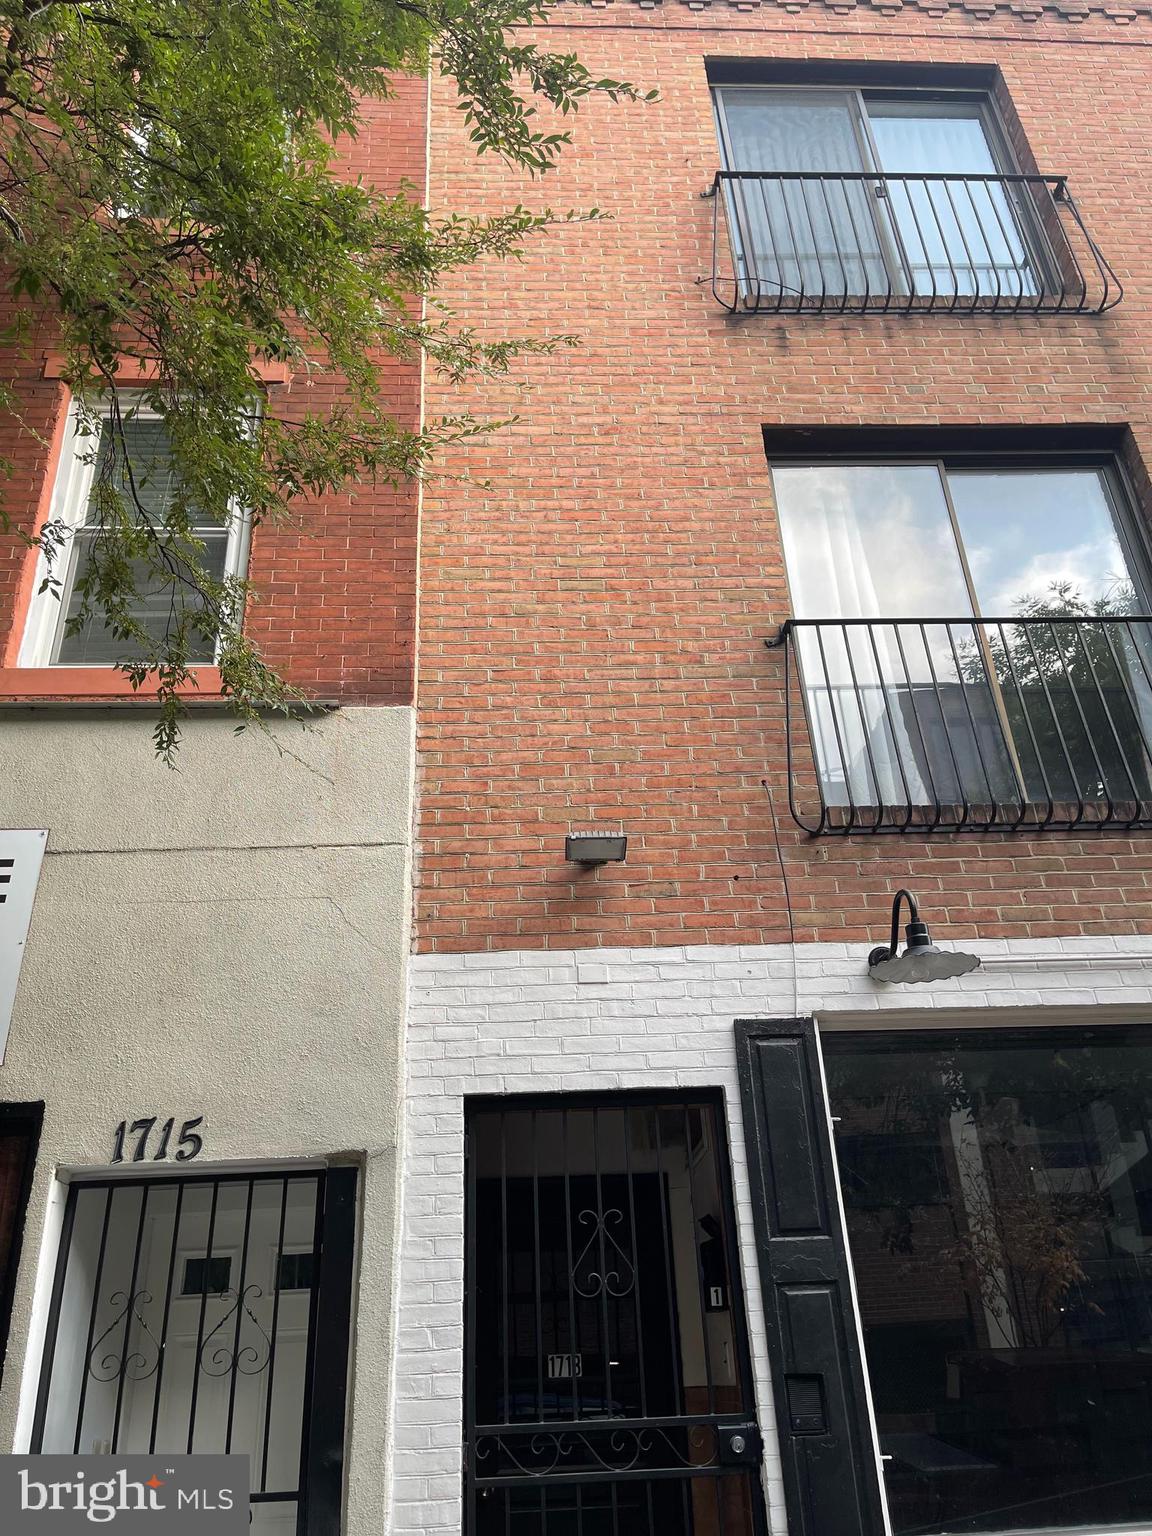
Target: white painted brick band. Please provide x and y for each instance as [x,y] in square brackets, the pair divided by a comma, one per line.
[557,1021]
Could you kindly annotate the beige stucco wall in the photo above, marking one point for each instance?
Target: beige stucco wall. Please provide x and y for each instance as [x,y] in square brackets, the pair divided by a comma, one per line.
[229,940]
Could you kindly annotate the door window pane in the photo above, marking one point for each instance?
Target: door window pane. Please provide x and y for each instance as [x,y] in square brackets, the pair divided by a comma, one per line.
[869,541]
[792,130]
[1042,539]
[998,1196]
[1078,698]
[930,138]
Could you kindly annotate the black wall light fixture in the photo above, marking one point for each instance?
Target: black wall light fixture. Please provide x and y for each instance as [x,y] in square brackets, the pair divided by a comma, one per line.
[921,960]
[595,848]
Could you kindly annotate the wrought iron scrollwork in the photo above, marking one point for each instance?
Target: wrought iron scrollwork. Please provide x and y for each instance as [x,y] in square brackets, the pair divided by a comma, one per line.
[539,1455]
[1020,247]
[587,1279]
[134,1365]
[539,1452]
[227,1357]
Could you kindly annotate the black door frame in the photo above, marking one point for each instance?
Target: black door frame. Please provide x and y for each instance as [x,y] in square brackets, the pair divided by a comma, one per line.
[713,1097]
[18,1120]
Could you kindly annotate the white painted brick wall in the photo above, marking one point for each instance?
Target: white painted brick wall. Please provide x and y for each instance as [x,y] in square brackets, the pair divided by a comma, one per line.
[558,1021]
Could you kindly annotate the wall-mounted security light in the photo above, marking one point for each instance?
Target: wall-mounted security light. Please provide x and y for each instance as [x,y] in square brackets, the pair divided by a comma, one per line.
[595,848]
[921,960]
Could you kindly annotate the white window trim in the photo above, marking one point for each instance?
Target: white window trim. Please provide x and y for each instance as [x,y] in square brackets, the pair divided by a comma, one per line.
[69,505]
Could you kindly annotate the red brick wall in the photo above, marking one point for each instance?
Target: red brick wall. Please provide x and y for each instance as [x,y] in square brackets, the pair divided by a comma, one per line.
[593,617]
[335,586]
[26,442]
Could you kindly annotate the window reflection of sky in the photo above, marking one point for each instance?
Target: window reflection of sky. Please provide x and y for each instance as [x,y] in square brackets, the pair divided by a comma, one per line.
[869,541]
[876,541]
[1024,532]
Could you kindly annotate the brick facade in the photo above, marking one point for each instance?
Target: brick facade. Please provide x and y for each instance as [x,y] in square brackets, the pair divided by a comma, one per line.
[335,584]
[594,613]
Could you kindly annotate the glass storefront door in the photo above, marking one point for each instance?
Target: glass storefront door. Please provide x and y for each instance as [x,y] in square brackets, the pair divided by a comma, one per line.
[955,1240]
[997,1189]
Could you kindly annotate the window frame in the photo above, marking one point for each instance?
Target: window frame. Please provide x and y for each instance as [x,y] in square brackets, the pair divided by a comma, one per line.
[947,453]
[72,487]
[1132,535]
[1028,226]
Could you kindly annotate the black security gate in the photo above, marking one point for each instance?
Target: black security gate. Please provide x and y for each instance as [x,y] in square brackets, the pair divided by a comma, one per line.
[608,1385]
[208,1314]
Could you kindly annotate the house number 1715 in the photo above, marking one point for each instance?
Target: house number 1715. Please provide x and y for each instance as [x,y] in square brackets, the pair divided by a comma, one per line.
[187,1144]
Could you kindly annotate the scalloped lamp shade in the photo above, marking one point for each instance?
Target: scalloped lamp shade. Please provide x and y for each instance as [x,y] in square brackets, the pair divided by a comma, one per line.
[921,962]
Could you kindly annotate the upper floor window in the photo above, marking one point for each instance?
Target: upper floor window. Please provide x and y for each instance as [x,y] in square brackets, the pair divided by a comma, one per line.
[970,640]
[131,459]
[954,537]
[877,199]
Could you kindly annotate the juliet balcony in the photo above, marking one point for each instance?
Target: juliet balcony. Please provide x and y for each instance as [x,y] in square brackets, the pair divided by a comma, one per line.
[938,725]
[860,242]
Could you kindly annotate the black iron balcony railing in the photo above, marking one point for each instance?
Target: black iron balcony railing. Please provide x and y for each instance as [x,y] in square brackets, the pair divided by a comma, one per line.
[855,242]
[968,725]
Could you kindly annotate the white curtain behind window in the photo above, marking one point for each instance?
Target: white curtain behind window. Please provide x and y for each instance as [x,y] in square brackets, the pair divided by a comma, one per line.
[956,237]
[817,236]
[900,715]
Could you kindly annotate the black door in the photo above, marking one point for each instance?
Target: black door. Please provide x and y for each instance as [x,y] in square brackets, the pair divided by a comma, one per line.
[608,1381]
[19,1136]
[826,1443]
